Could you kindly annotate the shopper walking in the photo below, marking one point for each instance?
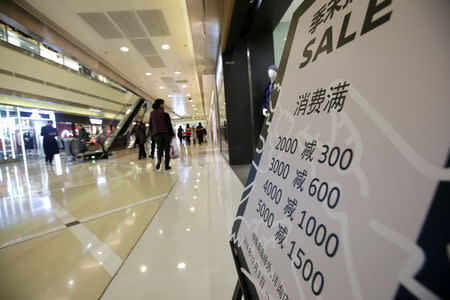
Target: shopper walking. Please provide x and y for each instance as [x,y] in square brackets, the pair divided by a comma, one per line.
[141,137]
[50,144]
[152,147]
[180,134]
[200,132]
[194,135]
[153,141]
[162,130]
[188,134]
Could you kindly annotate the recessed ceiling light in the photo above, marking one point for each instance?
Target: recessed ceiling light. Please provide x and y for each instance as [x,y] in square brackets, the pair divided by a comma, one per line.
[192,209]
[177,72]
[188,229]
[188,95]
[170,96]
[181,265]
[165,47]
[190,100]
[124,49]
[195,108]
[184,86]
[193,104]
[143,268]
[148,74]
[161,87]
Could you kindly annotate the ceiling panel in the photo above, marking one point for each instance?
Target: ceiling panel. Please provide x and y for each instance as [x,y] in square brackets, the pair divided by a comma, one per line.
[128,23]
[163,21]
[144,46]
[171,84]
[101,24]
[155,61]
[154,22]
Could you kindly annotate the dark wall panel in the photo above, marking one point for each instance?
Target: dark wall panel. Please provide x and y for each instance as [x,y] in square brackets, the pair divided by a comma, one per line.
[261,57]
[235,70]
[250,34]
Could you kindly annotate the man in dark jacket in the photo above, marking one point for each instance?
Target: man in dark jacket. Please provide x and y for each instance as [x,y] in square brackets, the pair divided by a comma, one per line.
[141,137]
[50,144]
[162,130]
[200,132]
[84,136]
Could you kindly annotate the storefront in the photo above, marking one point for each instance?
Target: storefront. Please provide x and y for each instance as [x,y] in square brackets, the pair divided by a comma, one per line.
[69,126]
[254,43]
[20,130]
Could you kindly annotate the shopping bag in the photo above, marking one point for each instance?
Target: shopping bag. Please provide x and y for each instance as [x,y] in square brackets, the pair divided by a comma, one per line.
[175,150]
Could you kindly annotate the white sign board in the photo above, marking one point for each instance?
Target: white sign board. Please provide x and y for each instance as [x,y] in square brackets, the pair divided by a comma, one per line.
[348,196]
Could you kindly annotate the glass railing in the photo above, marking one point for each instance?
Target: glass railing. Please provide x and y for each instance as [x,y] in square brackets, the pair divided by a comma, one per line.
[2,32]
[123,120]
[19,39]
[22,41]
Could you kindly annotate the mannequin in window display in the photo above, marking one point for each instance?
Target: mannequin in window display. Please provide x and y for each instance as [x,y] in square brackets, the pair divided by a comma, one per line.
[272,73]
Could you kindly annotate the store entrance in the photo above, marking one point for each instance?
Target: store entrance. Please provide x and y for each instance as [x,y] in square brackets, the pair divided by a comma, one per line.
[20,132]
[31,133]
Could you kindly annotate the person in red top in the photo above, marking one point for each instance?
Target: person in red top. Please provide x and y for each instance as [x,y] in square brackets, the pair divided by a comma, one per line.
[188,134]
[161,129]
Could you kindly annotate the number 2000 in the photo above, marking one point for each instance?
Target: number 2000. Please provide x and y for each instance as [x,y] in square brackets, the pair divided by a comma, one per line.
[287,145]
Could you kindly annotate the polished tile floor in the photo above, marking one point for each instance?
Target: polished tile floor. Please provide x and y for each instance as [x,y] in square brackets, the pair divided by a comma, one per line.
[118,229]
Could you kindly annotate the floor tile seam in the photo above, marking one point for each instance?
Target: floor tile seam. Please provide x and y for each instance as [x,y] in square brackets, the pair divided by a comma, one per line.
[33,236]
[71,219]
[76,186]
[118,209]
[86,238]
[140,238]
[110,261]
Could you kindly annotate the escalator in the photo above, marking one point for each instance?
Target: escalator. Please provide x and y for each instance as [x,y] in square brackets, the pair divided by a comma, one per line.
[119,138]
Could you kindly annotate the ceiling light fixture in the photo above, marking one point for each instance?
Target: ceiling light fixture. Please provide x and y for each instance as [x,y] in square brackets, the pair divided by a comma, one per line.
[165,47]
[161,87]
[148,74]
[188,95]
[184,86]
[177,72]
[124,49]
[170,96]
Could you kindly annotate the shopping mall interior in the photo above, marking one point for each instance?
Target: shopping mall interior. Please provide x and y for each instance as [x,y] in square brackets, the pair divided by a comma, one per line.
[88,210]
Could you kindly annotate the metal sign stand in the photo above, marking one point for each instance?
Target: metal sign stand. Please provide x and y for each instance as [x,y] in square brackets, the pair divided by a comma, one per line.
[241,288]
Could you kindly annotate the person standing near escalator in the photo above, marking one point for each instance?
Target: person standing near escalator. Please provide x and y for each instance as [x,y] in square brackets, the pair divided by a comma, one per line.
[162,130]
[50,144]
[141,137]
[83,134]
